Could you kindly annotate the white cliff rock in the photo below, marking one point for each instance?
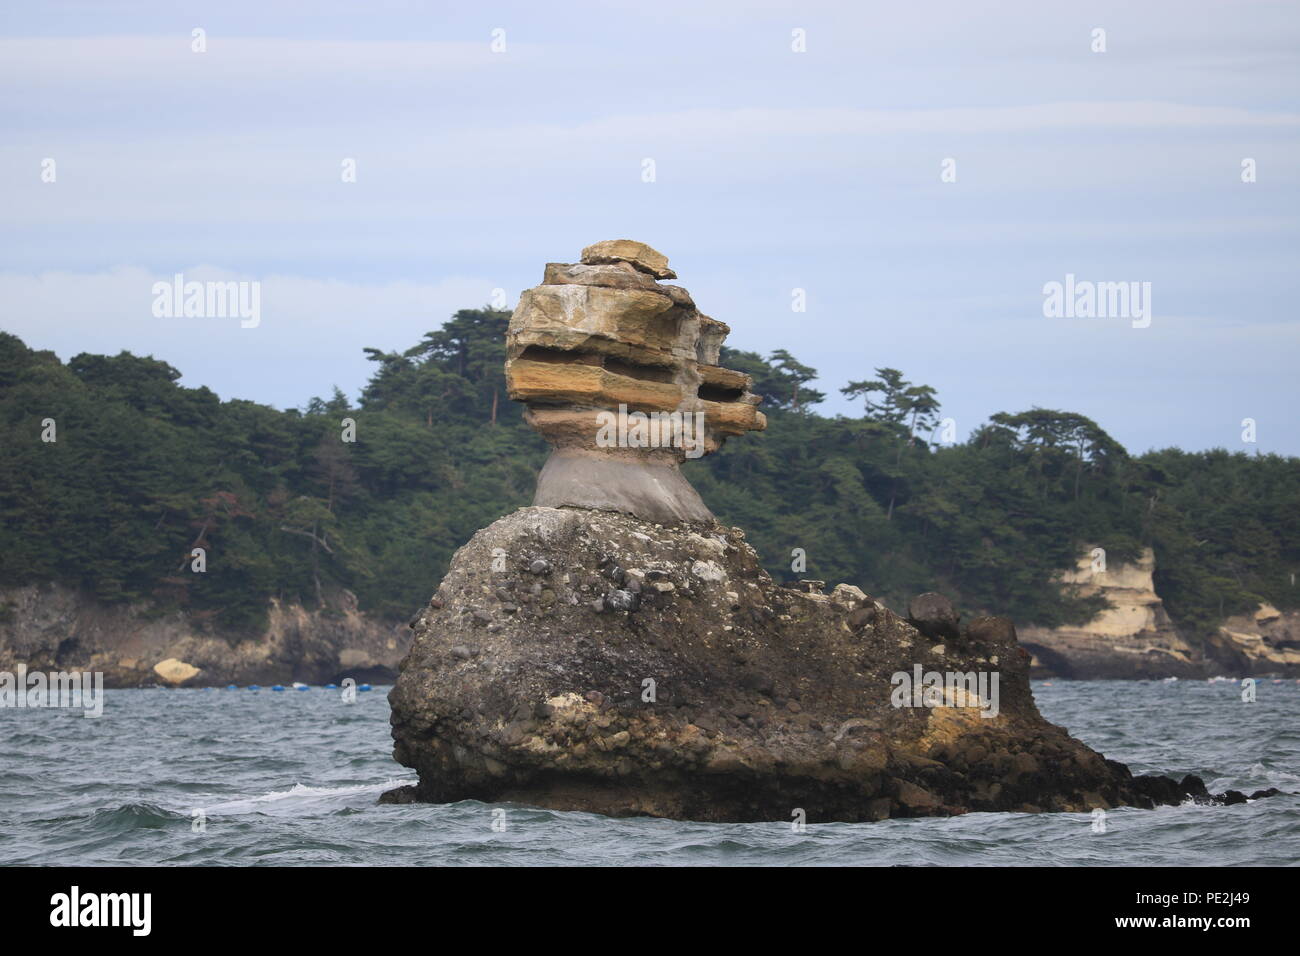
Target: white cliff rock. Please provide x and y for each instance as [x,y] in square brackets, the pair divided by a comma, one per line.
[1134,637]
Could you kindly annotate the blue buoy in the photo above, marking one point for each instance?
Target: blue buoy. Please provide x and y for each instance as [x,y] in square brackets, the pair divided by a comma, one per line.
[331,686]
[364,687]
[277,687]
[254,687]
[232,687]
[301,687]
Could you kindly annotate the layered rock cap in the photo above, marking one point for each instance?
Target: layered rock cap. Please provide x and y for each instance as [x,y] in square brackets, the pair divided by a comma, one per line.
[620,374]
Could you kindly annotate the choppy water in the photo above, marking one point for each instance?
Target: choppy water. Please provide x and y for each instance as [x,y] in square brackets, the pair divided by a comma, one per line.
[292,778]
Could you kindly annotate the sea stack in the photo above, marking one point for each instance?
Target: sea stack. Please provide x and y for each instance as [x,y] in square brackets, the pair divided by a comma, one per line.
[614,649]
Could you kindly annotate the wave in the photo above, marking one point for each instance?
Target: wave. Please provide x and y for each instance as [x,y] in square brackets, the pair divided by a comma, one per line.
[299,797]
[135,816]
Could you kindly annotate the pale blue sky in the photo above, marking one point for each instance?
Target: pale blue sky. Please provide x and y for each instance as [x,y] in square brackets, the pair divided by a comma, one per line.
[775,170]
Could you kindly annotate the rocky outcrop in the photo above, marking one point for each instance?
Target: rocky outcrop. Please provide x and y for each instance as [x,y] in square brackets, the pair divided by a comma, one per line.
[620,374]
[1266,642]
[619,666]
[51,627]
[933,615]
[614,649]
[1133,638]
[176,672]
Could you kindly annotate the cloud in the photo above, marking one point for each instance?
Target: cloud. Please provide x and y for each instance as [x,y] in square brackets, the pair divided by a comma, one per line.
[73,62]
[775,170]
[311,334]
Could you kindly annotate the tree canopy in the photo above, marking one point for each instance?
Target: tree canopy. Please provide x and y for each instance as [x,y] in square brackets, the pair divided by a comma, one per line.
[143,470]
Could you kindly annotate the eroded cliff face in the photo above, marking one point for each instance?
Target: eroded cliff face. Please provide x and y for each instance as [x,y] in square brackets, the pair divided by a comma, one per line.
[1266,642]
[50,627]
[1135,637]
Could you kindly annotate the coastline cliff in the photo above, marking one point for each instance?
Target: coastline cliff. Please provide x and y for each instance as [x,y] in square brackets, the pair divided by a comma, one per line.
[1134,637]
[50,626]
[54,628]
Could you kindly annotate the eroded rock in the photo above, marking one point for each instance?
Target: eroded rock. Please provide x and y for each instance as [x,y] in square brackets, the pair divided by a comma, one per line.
[730,704]
[933,615]
[1133,637]
[636,254]
[620,375]
[664,672]
[175,672]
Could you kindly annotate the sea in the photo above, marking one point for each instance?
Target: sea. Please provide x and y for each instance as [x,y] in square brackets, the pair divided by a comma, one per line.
[233,777]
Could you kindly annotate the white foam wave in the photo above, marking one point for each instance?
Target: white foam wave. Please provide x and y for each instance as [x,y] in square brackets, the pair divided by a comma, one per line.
[299,798]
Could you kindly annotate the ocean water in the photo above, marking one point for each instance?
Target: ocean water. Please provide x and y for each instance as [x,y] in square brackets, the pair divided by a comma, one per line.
[293,778]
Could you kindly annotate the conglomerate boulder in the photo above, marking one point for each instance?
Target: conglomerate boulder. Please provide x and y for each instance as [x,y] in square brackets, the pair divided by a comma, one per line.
[587,660]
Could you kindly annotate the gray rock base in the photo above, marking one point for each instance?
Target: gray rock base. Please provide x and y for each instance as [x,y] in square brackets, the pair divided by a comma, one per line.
[653,491]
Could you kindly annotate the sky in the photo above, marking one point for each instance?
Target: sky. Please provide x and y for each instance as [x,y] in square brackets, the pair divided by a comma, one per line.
[921,171]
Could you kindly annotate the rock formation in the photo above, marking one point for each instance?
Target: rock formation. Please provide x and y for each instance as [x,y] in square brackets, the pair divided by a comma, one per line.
[1132,638]
[1265,642]
[176,672]
[614,649]
[620,374]
[54,628]
[1135,638]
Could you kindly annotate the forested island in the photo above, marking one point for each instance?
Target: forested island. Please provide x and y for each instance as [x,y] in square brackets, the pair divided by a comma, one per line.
[144,470]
